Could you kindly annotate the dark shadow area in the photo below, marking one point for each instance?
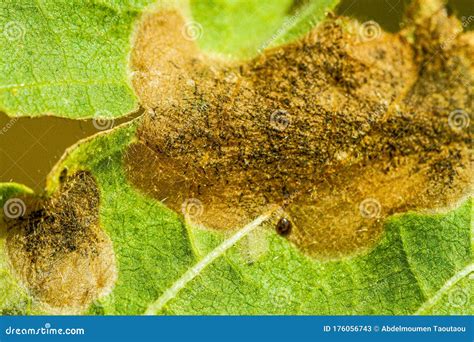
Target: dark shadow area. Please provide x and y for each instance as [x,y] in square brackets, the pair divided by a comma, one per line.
[463,9]
[387,13]
[29,147]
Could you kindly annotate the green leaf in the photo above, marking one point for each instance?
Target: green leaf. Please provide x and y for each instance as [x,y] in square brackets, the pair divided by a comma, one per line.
[285,282]
[302,20]
[66,58]
[243,28]
[454,299]
[70,58]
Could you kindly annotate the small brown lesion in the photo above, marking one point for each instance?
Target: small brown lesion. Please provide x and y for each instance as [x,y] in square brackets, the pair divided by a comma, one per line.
[58,248]
[365,121]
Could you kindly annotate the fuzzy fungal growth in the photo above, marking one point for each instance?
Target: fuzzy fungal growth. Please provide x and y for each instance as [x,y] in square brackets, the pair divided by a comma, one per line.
[338,131]
[59,250]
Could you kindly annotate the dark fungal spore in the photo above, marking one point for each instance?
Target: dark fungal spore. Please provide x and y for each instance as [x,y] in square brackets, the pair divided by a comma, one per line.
[283,226]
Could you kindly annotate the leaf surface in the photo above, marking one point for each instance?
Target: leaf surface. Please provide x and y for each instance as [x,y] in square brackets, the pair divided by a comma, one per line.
[70,58]
[263,273]
[244,28]
[66,58]
[421,263]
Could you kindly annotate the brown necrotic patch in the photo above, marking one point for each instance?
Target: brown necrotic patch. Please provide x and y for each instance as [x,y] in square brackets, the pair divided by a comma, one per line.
[59,249]
[339,133]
